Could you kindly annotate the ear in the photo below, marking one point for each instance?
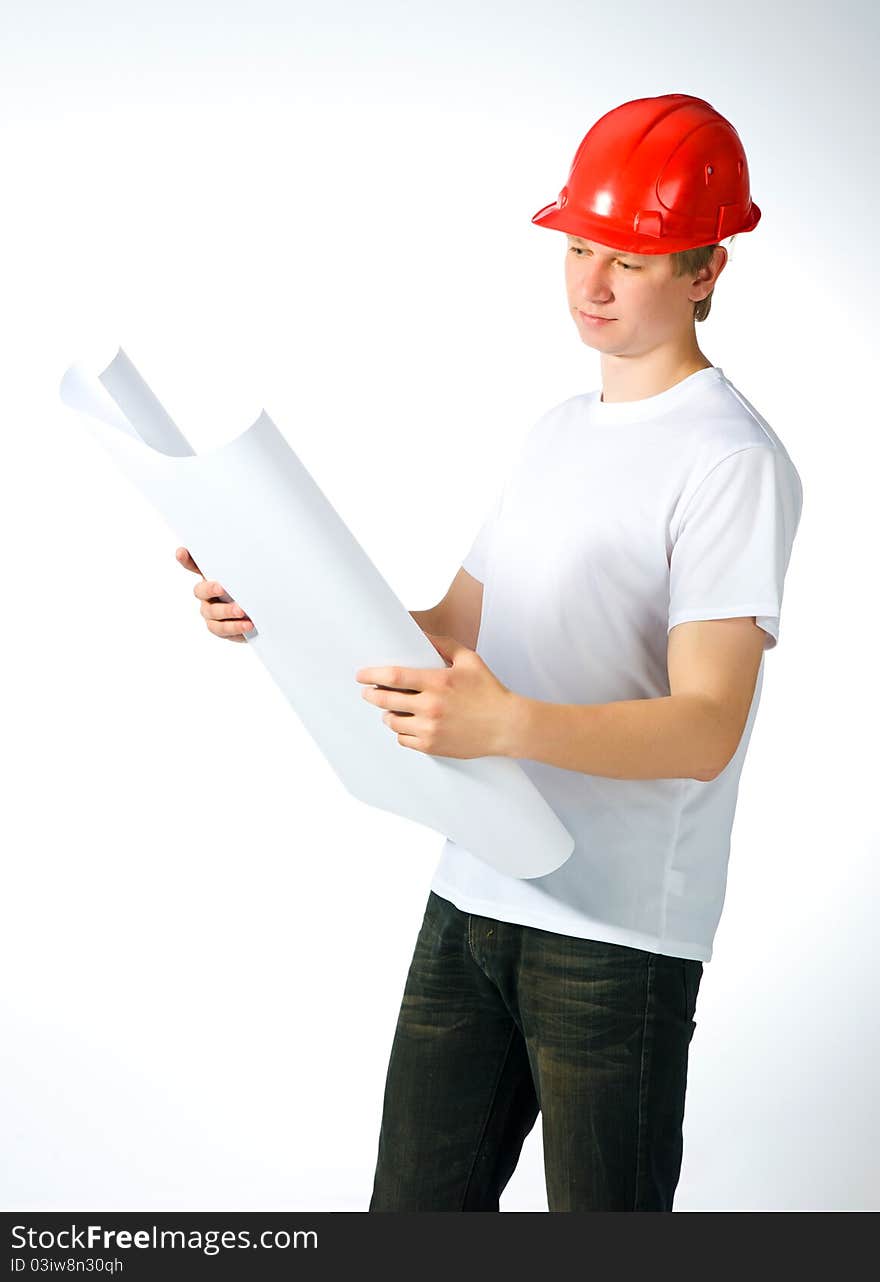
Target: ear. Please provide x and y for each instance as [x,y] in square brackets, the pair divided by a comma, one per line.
[704,281]
[719,261]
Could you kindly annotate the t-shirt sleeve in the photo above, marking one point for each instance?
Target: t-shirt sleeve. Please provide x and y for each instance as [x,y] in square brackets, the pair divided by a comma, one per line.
[477,559]
[734,541]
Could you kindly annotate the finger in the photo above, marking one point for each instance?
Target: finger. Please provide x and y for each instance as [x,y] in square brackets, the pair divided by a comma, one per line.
[222,610]
[183,556]
[399,700]
[409,733]
[228,627]
[409,679]
[210,590]
[404,723]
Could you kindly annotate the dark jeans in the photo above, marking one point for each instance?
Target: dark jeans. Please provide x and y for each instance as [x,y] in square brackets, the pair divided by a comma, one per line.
[500,1021]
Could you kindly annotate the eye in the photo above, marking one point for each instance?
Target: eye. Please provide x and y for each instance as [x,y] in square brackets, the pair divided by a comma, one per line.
[627,267]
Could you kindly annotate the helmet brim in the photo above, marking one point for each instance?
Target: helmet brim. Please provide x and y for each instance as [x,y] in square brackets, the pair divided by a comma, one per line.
[593,227]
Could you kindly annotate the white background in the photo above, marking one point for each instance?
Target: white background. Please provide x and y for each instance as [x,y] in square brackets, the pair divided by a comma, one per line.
[324,210]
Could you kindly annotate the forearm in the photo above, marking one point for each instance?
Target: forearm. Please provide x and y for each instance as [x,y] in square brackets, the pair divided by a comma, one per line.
[669,737]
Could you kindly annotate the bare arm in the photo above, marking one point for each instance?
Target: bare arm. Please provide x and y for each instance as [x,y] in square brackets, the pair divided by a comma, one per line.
[691,733]
[458,614]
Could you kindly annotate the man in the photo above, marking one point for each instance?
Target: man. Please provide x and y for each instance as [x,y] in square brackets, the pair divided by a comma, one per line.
[622,593]
[633,572]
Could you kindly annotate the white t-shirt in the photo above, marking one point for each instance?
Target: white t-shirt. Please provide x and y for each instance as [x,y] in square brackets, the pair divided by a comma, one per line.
[617,521]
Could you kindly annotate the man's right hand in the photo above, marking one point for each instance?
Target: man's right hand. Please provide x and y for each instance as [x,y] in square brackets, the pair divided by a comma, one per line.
[223,616]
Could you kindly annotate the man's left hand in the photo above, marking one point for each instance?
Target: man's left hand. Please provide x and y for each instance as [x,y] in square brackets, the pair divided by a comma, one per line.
[458,711]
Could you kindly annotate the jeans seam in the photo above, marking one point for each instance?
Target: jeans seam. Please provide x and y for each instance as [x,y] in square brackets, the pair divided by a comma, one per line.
[643,1071]
[494,1096]
[470,939]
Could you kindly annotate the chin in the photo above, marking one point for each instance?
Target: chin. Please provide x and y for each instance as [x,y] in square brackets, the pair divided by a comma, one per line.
[596,340]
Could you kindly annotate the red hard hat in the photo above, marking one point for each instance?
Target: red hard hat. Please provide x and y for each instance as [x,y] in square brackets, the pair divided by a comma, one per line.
[654,176]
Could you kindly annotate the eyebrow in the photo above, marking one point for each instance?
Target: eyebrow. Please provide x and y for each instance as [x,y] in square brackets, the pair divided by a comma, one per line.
[614,253]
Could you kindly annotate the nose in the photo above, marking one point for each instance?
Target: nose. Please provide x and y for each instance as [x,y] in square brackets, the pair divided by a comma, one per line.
[594,285]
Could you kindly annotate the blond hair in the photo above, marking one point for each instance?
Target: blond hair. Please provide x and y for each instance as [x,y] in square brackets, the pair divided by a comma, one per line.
[688,262]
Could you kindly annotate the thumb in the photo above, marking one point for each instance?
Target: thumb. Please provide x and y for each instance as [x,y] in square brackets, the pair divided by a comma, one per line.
[448,647]
[186,561]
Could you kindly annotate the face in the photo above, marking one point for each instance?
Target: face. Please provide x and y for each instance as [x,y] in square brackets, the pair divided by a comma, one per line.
[642,304]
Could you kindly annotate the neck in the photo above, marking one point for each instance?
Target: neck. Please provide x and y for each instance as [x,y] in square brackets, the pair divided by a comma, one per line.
[632,378]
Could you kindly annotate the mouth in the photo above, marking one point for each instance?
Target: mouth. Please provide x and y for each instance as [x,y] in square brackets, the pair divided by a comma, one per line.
[595,320]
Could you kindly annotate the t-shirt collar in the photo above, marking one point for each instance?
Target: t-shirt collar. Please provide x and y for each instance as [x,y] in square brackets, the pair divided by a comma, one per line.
[647,407]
